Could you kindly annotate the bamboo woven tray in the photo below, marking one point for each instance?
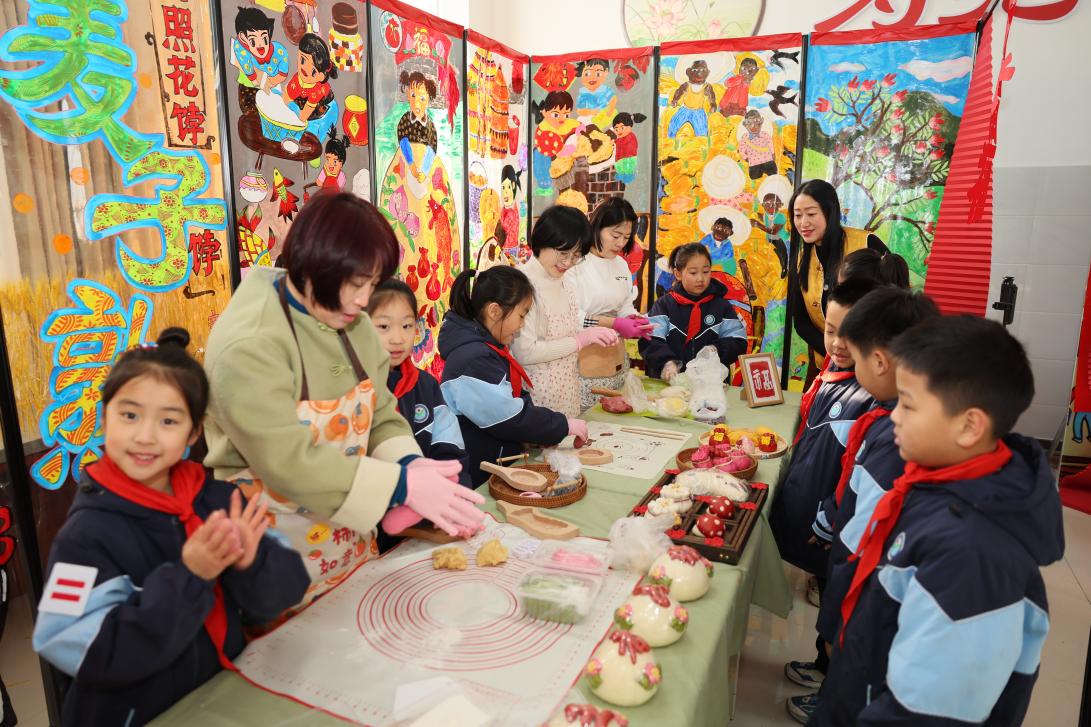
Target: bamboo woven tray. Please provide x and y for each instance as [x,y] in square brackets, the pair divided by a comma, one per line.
[737,528]
[686,455]
[501,490]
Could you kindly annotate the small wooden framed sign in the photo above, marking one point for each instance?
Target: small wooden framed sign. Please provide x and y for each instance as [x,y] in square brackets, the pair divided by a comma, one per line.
[759,379]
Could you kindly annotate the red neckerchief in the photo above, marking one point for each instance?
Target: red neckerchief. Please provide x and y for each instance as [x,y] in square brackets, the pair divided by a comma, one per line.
[826,376]
[516,373]
[186,480]
[870,549]
[856,440]
[694,326]
[410,374]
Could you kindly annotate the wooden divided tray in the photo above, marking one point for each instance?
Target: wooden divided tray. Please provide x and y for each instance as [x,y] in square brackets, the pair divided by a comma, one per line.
[729,548]
[501,490]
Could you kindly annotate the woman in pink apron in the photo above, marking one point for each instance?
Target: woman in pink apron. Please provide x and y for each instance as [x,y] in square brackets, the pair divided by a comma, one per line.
[295,417]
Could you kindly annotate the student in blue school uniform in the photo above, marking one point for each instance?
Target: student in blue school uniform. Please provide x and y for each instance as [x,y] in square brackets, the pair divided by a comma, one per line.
[828,411]
[420,401]
[694,314]
[482,382]
[871,460]
[170,561]
[946,614]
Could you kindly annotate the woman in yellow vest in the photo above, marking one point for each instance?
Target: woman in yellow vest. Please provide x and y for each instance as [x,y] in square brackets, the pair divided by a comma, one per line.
[815,212]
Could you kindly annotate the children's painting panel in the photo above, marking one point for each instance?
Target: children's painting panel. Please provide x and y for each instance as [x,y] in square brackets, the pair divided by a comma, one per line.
[419,92]
[642,455]
[396,621]
[297,112]
[117,223]
[592,116]
[727,167]
[497,106]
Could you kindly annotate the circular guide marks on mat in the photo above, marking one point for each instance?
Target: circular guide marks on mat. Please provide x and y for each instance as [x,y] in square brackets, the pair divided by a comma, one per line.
[454,621]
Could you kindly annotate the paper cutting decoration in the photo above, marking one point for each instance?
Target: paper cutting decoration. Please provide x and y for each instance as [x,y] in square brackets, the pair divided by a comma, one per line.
[497,101]
[297,114]
[418,127]
[728,113]
[654,21]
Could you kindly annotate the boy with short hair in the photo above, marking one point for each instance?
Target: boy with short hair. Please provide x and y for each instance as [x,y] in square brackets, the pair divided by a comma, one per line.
[871,461]
[946,614]
[829,409]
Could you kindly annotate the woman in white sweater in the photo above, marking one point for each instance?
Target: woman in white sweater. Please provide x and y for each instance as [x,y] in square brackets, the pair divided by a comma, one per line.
[604,293]
[553,333]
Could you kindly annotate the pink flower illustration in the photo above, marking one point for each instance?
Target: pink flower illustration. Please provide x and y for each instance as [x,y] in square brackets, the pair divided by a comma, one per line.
[937,154]
[854,83]
[929,194]
[822,105]
[665,16]
[898,113]
[936,122]
[889,79]
[868,85]
[900,96]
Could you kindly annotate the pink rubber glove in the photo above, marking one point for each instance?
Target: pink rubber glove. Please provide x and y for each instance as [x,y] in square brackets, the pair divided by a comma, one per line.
[432,496]
[449,468]
[578,427]
[597,335]
[633,327]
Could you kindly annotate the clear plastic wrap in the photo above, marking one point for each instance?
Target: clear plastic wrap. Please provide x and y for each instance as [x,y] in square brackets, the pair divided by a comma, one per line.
[633,392]
[714,483]
[706,375]
[565,463]
[637,541]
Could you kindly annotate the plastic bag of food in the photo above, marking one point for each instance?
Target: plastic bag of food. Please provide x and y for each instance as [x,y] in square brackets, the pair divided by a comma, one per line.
[633,391]
[708,402]
[564,463]
[637,541]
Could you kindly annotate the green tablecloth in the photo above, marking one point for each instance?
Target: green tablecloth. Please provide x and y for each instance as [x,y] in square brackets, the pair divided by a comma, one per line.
[696,689]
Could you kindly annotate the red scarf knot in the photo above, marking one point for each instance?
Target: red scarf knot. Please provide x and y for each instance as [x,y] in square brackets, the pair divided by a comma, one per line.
[694,326]
[856,440]
[410,375]
[516,373]
[186,480]
[886,514]
[826,376]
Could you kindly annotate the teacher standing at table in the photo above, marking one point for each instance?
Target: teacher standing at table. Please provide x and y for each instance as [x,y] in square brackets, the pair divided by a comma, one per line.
[815,212]
[604,293]
[300,414]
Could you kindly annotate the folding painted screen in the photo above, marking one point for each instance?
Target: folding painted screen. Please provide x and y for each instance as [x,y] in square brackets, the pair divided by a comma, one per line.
[728,115]
[593,115]
[117,222]
[417,65]
[883,111]
[295,88]
[497,102]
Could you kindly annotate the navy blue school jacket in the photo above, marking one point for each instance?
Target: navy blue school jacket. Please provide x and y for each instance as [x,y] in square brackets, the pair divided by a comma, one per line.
[814,471]
[141,644]
[720,327]
[877,465]
[949,627]
[477,387]
[435,427]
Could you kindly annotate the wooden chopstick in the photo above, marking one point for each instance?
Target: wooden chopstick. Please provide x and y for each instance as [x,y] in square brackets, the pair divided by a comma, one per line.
[659,433]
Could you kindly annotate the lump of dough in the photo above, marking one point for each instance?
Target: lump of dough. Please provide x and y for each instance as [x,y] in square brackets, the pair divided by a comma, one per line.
[491,553]
[451,558]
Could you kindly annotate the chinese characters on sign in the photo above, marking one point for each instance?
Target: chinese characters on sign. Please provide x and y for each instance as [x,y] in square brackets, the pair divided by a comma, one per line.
[180,70]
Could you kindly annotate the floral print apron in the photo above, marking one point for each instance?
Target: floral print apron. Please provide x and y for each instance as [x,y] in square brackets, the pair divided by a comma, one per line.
[330,551]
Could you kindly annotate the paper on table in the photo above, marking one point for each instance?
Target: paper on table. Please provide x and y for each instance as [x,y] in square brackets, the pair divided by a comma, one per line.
[396,621]
[642,456]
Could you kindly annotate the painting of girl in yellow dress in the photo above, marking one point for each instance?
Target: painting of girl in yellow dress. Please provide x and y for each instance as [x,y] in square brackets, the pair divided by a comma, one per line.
[419,151]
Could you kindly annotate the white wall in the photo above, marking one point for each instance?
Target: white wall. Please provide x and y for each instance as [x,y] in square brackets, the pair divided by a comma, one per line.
[1042,207]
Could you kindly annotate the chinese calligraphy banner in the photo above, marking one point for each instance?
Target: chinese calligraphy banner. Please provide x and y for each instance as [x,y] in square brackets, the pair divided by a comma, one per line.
[497,101]
[297,112]
[728,117]
[420,146]
[117,220]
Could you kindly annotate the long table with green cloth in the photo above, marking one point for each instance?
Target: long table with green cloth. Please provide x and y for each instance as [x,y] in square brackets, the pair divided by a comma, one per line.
[698,685]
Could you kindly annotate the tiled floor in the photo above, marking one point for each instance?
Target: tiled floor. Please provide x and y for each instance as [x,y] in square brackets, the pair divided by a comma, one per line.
[770,643]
